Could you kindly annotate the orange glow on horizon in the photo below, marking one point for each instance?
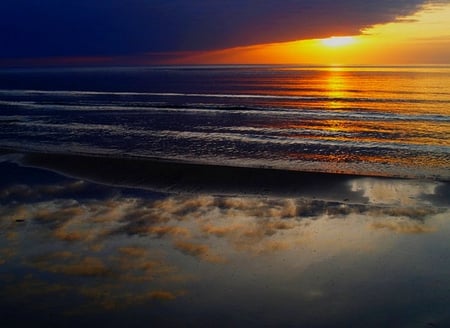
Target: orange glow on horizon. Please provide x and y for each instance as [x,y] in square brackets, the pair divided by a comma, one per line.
[418,39]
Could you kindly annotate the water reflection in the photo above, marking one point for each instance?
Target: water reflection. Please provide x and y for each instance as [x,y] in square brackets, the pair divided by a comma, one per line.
[127,258]
[337,88]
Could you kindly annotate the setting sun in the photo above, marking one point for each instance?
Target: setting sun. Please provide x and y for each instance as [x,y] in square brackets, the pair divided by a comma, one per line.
[338,41]
[417,39]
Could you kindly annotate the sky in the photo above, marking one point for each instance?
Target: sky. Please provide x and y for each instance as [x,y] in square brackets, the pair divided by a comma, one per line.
[87,32]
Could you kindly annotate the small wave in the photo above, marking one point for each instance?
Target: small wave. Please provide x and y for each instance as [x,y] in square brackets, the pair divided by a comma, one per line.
[223,96]
[303,112]
[250,136]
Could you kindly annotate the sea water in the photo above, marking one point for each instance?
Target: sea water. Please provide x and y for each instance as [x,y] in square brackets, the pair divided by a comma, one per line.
[106,221]
[381,121]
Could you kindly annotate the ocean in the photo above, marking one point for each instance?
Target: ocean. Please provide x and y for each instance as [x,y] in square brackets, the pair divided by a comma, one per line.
[375,121]
[225,196]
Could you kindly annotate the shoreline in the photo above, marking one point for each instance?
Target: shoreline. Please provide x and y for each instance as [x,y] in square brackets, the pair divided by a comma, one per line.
[35,154]
[171,177]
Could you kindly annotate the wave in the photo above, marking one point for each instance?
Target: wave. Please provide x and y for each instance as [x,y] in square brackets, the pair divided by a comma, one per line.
[221,95]
[305,112]
[320,130]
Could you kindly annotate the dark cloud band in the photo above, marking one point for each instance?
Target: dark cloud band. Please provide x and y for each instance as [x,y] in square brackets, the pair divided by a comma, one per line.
[102,28]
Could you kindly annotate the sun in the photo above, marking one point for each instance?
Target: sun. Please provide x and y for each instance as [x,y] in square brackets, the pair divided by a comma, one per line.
[338,41]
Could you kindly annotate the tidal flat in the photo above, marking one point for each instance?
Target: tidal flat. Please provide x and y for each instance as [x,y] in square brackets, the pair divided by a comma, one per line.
[355,251]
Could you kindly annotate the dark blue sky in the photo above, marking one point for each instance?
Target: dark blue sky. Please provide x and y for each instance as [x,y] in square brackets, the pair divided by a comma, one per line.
[77,28]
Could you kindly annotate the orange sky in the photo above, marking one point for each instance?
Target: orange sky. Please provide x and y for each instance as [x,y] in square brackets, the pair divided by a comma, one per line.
[423,38]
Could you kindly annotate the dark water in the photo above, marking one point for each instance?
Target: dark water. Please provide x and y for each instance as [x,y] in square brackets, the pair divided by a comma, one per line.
[386,121]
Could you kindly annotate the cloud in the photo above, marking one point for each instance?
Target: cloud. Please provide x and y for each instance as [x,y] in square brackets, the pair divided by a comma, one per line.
[403,226]
[395,192]
[249,224]
[193,224]
[200,251]
[74,266]
[105,298]
[19,191]
[156,250]
[133,251]
[162,295]
[161,231]
[128,267]
[102,28]
[136,265]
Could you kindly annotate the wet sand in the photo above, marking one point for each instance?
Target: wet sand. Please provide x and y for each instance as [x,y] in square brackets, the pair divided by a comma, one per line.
[126,242]
[182,177]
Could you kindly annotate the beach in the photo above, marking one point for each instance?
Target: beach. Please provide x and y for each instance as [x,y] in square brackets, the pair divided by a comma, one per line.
[93,240]
[224,196]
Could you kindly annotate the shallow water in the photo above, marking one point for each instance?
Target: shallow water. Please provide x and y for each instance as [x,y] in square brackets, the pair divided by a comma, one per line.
[77,253]
[384,121]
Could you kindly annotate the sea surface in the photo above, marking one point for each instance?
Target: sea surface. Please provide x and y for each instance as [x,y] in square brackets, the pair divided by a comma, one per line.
[377,121]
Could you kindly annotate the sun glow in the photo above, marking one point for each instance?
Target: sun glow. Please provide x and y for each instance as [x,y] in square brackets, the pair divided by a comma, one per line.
[338,41]
[421,38]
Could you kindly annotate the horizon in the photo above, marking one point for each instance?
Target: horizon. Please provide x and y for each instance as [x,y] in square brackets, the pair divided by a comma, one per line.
[223,65]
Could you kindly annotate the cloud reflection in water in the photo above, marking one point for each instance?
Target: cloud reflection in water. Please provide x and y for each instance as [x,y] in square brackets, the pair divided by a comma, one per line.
[201,258]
